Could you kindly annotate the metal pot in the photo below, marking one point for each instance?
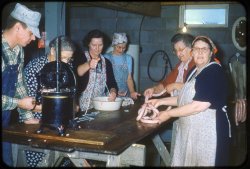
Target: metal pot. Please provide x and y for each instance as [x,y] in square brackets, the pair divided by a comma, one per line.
[58,108]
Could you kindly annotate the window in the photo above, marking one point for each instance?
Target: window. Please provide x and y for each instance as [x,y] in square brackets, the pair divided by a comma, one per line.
[204,15]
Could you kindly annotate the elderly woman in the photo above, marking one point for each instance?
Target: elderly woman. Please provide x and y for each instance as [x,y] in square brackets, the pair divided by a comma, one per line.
[173,82]
[95,72]
[203,128]
[122,65]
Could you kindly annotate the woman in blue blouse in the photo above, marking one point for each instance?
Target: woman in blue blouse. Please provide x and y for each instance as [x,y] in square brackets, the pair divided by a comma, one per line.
[122,65]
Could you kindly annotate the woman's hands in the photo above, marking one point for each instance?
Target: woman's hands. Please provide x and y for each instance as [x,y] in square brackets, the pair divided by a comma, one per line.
[155,102]
[148,113]
[134,95]
[93,63]
[112,95]
[157,117]
[83,68]
[174,86]
[149,92]
[155,91]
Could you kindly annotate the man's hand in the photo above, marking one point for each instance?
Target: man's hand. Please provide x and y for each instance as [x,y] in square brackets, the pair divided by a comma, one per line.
[32,121]
[26,103]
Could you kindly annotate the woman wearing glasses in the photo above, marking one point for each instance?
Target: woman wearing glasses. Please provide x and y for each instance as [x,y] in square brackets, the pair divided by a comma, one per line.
[174,81]
[203,128]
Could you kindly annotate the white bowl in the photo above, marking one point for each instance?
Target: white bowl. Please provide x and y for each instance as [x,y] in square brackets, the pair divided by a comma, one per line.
[102,103]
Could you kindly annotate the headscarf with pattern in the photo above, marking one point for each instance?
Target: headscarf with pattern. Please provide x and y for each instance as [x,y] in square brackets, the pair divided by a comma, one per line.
[119,38]
[214,48]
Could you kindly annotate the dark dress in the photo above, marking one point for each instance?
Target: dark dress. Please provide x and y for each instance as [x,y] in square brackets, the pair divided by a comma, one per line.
[213,87]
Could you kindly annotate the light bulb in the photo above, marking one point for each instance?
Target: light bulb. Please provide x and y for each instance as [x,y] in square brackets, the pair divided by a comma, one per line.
[184,29]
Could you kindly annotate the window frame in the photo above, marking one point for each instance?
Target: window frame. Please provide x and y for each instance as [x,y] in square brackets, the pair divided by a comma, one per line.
[182,15]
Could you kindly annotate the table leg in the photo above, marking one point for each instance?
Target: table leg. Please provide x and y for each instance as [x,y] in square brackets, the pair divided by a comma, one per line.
[162,149]
[135,155]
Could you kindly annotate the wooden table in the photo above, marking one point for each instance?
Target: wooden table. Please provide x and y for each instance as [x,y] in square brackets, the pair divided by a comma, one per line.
[110,137]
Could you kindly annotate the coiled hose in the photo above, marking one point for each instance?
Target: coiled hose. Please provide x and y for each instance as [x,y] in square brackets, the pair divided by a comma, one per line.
[167,64]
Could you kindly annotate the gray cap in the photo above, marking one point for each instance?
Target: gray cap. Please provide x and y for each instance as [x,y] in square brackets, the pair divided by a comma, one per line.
[27,16]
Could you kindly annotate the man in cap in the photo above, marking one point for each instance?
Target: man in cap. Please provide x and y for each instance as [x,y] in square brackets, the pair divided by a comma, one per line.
[21,29]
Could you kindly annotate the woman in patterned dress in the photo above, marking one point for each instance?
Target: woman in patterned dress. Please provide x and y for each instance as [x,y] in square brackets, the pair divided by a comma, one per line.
[203,128]
[96,77]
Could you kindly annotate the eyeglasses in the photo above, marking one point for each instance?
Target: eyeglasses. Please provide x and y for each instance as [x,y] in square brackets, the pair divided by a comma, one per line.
[178,50]
[202,50]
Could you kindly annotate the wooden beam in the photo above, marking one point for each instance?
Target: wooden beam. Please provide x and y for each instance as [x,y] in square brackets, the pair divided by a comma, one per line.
[139,7]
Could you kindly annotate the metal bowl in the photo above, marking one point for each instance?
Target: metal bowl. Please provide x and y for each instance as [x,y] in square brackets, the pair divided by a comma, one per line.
[102,104]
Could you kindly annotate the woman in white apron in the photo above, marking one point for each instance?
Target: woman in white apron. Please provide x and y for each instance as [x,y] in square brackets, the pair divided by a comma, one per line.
[95,72]
[203,128]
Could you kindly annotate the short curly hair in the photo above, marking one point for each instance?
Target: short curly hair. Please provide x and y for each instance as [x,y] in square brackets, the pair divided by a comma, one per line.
[93,34]
[186,38]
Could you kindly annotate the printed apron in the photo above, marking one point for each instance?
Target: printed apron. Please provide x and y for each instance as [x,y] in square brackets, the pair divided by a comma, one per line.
[181,69]
[96,85]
